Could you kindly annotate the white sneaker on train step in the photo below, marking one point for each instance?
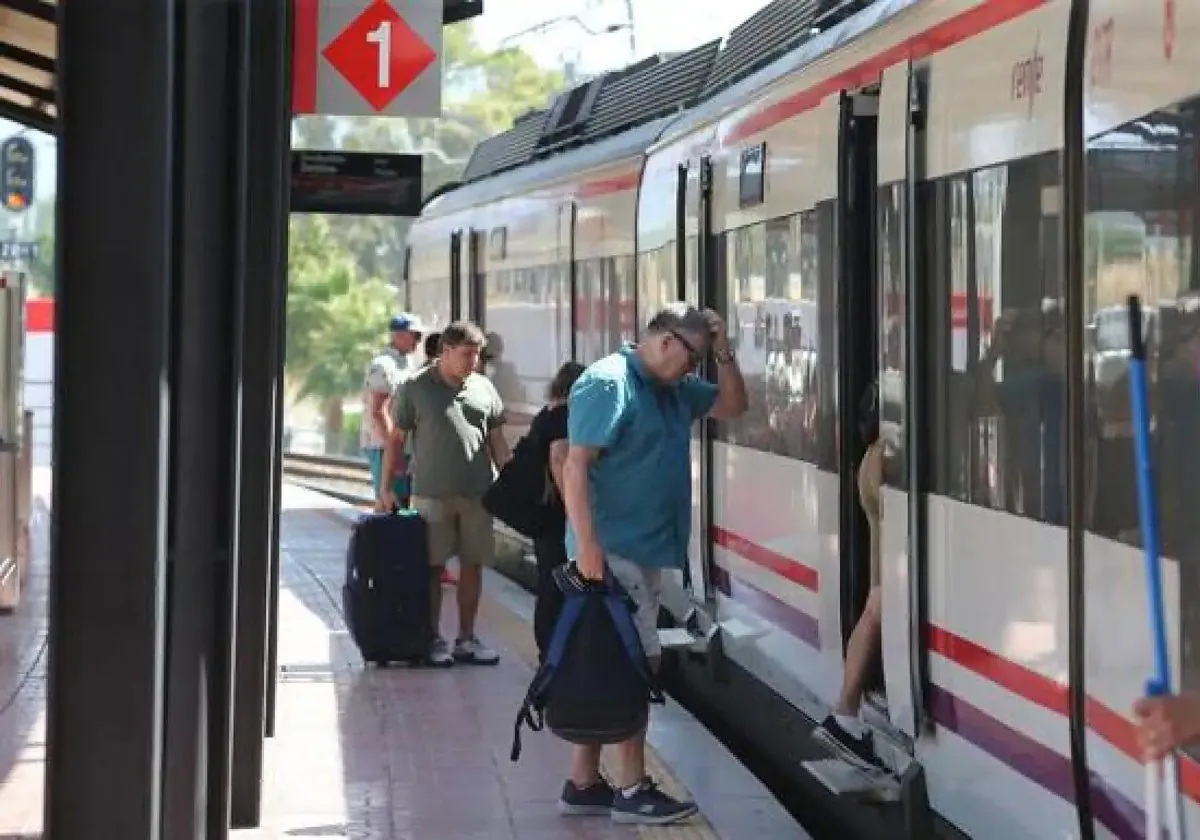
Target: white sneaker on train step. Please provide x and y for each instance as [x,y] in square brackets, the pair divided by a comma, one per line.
[648,805]
[474,652]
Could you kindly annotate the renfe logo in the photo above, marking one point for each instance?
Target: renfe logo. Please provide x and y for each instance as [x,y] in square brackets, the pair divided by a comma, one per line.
[1027,79]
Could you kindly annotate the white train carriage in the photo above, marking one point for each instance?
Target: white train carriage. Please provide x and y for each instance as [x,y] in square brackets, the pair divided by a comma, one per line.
[948,197]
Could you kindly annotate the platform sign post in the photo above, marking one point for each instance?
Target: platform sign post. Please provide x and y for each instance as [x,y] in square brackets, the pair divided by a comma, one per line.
[367,58]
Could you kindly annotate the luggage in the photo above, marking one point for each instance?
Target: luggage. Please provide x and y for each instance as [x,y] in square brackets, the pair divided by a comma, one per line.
[386,594]
[523,496]
[595,686]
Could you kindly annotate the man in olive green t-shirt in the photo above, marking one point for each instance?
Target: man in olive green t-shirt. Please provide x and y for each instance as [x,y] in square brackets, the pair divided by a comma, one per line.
[456,422]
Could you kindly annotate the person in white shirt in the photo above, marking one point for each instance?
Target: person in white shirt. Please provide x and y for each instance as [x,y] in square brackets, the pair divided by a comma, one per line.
[386,373]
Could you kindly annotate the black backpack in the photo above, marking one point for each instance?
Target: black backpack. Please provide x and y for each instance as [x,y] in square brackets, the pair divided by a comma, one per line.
[595,686]
[523,496]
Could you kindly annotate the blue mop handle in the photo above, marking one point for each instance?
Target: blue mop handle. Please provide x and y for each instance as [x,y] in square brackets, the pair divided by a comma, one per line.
[1160,682]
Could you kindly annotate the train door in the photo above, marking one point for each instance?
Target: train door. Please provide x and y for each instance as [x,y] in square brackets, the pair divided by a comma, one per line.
[476,279]
[857,366]
[456,276]
[708,294]
[901,347]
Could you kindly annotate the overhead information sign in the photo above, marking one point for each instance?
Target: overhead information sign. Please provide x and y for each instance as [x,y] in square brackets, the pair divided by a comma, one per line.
[356,183]
[356,58]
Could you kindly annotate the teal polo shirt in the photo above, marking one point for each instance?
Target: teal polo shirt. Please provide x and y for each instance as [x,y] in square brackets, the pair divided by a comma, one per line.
[641,486]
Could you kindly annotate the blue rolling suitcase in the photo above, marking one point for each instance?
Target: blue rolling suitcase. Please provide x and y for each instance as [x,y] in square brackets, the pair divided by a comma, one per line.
[386,595]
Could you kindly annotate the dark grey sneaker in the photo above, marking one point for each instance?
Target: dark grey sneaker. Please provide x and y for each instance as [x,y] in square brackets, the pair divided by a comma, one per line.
[650,806]
[856,751]
[439,654]
[593,801]
[474,652]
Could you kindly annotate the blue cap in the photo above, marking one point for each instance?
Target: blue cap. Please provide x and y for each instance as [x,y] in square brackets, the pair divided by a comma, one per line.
[406,322]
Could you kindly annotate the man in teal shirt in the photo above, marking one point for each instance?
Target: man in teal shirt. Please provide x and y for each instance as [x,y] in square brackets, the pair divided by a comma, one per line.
[630,510]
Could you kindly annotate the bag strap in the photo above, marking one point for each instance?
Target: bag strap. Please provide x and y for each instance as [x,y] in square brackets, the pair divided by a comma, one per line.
[532,713]
[623,621]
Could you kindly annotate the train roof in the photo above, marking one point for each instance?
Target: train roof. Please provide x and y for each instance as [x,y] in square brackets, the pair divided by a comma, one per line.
[626,111]
[610,150]
[798,54]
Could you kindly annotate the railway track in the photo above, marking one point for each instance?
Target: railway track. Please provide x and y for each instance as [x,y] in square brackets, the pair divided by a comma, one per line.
[348,479]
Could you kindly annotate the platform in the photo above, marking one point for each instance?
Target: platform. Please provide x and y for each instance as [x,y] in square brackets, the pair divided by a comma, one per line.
[390,754]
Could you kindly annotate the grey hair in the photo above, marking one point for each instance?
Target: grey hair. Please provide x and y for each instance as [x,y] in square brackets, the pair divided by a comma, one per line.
[681,317]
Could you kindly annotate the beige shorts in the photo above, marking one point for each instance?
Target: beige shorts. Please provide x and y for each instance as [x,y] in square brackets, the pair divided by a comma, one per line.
[644,586]
[457,525]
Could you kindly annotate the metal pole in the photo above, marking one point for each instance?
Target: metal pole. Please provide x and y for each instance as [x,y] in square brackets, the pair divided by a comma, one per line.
[205,418]
[280,277]
[114,261]
[266,262]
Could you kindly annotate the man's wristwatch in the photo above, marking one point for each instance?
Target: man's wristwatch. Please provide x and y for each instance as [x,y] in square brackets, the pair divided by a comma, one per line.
[724,357]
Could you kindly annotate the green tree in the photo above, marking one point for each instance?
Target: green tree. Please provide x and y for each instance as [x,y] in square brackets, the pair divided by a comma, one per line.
[345,270]
[335,321]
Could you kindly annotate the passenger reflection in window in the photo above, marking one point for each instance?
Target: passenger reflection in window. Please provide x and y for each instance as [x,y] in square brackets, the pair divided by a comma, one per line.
[1022,381]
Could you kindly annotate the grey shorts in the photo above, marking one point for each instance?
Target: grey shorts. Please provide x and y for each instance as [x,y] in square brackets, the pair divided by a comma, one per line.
[644,586]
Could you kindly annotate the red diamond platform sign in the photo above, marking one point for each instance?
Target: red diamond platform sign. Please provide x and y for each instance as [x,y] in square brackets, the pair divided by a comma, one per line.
[368,57]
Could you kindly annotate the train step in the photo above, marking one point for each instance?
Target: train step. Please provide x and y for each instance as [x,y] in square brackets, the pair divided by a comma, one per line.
[843,779]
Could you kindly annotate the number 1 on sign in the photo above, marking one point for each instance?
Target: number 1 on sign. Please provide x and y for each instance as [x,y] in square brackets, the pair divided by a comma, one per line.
[381,36]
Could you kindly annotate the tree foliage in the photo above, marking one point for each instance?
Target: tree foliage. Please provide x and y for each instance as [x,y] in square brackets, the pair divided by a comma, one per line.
[344,270]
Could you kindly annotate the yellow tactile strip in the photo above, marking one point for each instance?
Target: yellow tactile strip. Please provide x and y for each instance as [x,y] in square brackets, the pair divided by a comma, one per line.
[518,637]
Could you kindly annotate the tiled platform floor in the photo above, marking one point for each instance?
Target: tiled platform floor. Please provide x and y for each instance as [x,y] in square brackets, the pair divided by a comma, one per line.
[392,754]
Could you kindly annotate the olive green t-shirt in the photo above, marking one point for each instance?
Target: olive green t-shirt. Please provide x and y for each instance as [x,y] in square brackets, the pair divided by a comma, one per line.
[449,431]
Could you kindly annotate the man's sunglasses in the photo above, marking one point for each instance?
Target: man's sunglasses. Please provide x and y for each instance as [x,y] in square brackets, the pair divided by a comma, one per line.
[695,357]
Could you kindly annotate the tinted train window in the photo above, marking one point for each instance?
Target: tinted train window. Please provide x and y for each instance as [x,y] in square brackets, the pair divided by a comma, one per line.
[997,339]
[779,295]
[1140,237]
[656,282]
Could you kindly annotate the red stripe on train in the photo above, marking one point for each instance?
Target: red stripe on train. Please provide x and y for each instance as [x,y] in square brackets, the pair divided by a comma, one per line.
[1050,694]
[773,561]
[961,27]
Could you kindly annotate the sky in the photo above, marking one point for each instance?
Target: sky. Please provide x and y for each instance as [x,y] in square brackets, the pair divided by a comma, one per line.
[659,26]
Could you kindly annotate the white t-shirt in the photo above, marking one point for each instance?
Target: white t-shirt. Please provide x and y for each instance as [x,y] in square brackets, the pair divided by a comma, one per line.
[385,374]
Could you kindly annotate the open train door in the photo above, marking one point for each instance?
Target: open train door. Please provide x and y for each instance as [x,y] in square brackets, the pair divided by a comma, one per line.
[693,605]
[899,163]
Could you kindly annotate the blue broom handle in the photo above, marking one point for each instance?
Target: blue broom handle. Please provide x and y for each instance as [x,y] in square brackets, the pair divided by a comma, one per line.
[1160,682]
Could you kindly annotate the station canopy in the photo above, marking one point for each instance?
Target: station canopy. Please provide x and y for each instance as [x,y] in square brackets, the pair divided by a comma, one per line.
[29,51]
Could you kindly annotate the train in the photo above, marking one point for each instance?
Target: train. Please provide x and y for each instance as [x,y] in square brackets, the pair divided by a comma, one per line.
[949,201]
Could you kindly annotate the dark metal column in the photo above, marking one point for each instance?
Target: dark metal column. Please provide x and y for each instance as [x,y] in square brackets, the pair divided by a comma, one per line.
[266,205]
[108,534]
[278,424]
[205,373]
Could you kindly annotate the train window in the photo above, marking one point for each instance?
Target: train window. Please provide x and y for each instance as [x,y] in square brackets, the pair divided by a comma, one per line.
[656,281]
[1140,238]
[620,302]
[997,433]
[751,180]
[776,296]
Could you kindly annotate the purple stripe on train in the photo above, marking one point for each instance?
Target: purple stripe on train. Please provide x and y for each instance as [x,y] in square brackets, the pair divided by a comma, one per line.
[1036,762]
[784,616]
